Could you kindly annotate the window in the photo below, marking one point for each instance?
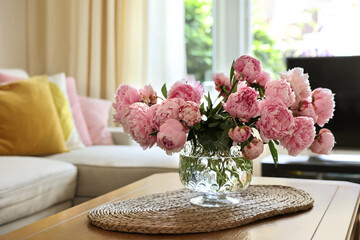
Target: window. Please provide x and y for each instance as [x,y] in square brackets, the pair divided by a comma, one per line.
[283,28]
[198,36]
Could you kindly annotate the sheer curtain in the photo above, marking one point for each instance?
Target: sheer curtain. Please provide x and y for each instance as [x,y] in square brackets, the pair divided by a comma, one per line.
[232,32]
[166,59]
[103,43]
[232,36]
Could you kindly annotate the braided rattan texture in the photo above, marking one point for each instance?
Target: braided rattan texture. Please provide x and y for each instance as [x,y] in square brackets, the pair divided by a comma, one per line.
[172,212]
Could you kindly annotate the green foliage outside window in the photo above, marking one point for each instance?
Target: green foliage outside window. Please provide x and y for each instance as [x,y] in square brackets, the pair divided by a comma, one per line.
[198,37]
[272,59]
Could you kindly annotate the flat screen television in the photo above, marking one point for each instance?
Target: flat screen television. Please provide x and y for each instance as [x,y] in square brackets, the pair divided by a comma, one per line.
[342,76]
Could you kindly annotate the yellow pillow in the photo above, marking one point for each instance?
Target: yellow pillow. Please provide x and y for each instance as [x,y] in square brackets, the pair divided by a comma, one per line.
[29,124]
[57,83]
[62,108]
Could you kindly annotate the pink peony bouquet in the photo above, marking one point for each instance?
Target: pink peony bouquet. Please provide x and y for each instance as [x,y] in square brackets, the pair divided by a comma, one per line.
[251,110]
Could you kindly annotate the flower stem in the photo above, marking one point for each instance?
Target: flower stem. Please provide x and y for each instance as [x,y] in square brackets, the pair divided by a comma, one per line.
[160,98]
[234,121]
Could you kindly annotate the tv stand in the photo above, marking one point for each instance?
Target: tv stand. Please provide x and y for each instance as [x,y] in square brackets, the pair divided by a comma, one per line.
[331,167]
[334,158]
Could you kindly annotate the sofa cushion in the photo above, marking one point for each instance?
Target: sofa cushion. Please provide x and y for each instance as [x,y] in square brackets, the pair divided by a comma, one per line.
[29,124]
[96,113]
[57,83]
[18,73]
[58,87]
[77,113]
[30,184]
[6,79]
[106,168]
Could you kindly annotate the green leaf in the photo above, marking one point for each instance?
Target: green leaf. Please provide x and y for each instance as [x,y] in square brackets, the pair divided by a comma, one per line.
[274,152]
[261,91]
[214,124]
[197,126]
[220,94]
[213,135]
[154,133]
[232,72]
[164,90]
[225,91]
[202,110]
[225,126]
[216,116]
[234,89]
[214,110]
[209,101]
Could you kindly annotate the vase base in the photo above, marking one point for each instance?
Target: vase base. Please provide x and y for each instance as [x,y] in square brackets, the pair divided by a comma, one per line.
[214,201]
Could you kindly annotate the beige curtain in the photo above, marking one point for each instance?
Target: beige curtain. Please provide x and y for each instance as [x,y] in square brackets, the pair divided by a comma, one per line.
[102,43]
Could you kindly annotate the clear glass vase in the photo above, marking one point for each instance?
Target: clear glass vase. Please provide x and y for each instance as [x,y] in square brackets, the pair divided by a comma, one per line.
[214,173]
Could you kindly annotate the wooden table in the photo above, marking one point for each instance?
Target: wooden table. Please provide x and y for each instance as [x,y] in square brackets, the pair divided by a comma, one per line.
[335,215]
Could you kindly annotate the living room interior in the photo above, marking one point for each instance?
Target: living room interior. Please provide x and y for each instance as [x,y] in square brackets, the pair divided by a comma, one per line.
[68,58]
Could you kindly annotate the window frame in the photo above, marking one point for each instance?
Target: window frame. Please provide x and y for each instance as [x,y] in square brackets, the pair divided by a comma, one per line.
[232,32]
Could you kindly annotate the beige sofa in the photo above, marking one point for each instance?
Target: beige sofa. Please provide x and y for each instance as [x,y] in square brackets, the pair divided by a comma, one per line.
[32,188]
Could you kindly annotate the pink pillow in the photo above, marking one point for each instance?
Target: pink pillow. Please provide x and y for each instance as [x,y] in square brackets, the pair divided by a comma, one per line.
[77,113]
[96,114]
[5,78]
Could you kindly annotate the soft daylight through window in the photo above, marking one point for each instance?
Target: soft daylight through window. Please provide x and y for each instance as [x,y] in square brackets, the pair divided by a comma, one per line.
[304,28]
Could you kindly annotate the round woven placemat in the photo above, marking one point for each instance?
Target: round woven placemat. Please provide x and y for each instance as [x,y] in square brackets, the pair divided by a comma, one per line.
[172,212]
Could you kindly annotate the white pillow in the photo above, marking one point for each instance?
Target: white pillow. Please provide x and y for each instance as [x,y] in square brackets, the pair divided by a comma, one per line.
[74,140]
[15,72]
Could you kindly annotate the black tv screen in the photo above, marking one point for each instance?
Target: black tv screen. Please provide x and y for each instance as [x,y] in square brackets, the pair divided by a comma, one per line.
[342,76]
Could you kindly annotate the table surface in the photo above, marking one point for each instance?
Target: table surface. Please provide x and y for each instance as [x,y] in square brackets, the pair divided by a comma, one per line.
[334,215]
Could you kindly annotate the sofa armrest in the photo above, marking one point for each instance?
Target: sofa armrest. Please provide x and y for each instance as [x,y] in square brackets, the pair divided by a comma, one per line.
[119,137]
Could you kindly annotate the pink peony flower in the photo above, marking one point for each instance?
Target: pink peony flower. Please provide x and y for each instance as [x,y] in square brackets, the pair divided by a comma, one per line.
[306,109]
[301,137]
[280,89]
[187,90]
[189,112]
[253,150]
[275,119]
[171,136]
[238,76]
[323,102]
[169,109]
[263,138]
[324,142]
[149,96]
[125,96]
[136,123]
[239,134]
[243,103]
[263,79]
[242,85]
[299,83]
[151,113]
[248,67]
[221,80]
